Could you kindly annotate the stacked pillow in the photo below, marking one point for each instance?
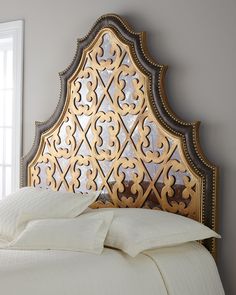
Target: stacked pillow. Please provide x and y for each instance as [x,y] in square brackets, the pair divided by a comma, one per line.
[136,230]
[42,219]
[34,218]
[85,234]
[31,203]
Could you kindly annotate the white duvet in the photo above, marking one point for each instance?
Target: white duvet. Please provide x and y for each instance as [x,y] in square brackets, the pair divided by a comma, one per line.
[186,269]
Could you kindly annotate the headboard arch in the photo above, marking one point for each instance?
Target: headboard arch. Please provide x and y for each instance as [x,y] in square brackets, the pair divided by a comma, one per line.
[114,130]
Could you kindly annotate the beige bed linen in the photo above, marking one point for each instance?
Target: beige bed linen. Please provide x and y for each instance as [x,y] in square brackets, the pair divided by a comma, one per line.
[179,270]
[3,243]
[76,273]
[187,269]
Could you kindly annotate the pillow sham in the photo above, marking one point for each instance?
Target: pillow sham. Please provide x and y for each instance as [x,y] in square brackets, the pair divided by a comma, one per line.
[85,233]
[135,230]
[3,243]
[34,203]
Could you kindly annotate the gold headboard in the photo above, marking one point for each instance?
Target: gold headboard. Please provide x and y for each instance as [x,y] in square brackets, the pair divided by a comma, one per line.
[114,131]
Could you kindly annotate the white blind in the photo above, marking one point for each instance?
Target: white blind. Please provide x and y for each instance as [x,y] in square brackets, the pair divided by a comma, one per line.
[10,105]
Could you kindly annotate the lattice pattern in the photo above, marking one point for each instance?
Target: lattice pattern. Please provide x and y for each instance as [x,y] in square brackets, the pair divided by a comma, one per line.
[110,139]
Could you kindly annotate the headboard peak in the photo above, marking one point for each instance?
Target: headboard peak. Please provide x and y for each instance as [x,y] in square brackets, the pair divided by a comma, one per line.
[114,130]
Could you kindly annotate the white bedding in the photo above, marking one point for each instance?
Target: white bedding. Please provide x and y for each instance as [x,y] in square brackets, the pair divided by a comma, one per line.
[186,269]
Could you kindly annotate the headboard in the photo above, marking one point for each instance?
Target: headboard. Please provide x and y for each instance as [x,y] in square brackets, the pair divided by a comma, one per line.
[114,131]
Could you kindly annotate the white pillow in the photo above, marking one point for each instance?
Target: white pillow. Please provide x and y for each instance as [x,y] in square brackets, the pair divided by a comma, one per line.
[85,233]
[136,230]
[33,203]
[3,243]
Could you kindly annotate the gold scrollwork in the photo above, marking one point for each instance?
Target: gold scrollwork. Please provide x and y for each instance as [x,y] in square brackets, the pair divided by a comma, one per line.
[110,139]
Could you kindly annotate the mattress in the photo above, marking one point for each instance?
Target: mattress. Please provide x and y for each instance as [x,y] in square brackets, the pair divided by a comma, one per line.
[186,269]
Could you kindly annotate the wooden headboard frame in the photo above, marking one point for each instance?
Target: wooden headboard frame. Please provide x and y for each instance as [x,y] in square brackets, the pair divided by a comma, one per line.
[113,130]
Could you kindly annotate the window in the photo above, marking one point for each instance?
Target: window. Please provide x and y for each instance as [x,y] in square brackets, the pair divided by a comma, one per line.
[11,60]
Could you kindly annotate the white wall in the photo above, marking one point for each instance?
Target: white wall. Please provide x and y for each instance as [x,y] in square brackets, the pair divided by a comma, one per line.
[196,38]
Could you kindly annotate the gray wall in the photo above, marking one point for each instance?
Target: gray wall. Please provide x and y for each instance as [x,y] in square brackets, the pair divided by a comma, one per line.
[196,38]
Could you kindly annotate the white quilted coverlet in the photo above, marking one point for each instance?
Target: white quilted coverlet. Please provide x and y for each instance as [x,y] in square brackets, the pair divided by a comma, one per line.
[77,273]
[187,269]
[182,270]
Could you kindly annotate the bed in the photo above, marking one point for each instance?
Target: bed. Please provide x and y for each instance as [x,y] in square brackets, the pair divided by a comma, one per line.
[113,272]
[113,131]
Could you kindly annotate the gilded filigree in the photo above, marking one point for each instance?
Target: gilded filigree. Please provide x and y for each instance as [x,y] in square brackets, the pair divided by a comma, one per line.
[109,138]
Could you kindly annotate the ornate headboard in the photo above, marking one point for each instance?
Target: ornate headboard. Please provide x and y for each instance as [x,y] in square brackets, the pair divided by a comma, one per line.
[114,131]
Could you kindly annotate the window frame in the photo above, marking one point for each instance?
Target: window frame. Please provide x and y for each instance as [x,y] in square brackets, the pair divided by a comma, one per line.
[15,29]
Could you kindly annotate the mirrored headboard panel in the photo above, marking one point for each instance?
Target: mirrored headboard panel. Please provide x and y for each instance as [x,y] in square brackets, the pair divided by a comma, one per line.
[114,131]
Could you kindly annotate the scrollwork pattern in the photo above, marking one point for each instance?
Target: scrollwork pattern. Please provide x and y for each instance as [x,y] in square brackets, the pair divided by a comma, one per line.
[109,138]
